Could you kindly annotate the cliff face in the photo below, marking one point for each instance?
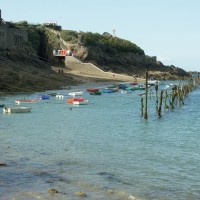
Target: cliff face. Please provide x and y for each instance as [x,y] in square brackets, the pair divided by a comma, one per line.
[24,71]
[117,55]
[106,52]
[132,64]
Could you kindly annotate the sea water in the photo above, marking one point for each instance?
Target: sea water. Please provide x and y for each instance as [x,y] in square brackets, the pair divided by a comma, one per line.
[104,149]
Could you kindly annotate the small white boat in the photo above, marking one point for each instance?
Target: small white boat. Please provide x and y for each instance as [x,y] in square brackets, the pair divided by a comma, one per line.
[123,92]
[152,82]
[76,93]
[59,96]
[81,102]
[16,109]
[166,87]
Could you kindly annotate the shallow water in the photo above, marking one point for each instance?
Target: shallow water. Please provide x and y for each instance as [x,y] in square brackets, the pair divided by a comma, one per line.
[104,149]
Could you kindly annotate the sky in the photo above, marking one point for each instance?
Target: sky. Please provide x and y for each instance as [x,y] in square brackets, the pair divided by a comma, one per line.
[168,29]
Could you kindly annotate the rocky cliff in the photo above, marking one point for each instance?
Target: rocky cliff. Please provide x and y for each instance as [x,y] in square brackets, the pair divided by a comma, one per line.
[117,55]
[105,51]
[30,69]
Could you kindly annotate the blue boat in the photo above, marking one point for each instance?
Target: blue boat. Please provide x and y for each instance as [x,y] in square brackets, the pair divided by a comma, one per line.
[108,90]
[122,86]
[44,97]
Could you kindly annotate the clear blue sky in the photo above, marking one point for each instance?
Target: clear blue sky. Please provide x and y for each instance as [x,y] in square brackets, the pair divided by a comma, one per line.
[168,29]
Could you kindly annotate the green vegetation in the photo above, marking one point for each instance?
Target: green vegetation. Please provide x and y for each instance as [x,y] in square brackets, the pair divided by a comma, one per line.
[69,36]
[106,40]
[53,26]
[52,39]
[94,39]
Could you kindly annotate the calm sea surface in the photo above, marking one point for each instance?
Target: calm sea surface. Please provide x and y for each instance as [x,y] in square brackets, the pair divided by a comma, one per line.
[104,149]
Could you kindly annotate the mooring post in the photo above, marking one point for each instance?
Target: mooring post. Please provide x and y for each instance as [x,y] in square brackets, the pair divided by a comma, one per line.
[146,95]
[156,88]
[160,105]
[142,106]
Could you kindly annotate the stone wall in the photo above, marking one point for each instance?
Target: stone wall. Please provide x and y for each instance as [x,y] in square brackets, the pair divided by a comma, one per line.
[11,38]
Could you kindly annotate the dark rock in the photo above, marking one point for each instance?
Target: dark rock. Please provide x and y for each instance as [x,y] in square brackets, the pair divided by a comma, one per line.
[80,194]
[53,191]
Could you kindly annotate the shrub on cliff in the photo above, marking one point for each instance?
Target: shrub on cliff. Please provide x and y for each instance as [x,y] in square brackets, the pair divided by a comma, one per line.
[105,41]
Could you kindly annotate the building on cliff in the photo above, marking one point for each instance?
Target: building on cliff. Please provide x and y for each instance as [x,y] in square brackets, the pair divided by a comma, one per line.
[11,38]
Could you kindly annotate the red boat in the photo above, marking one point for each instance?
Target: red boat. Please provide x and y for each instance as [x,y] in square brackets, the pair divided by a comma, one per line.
[134,83]
[26,101]
[71,100]
[92,89]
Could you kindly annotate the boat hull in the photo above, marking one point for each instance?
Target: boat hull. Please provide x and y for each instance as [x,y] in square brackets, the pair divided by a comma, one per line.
[16,110]
[95,93]
[81,102]
[76,93]
[26,101]
[77,101]
[107,90]
[60,96]
[92,89]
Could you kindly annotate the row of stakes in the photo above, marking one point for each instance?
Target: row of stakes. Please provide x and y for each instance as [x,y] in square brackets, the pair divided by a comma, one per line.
[169,100]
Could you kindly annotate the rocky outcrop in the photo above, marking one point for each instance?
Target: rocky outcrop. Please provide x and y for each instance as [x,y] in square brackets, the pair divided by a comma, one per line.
[108,54]
[108,57]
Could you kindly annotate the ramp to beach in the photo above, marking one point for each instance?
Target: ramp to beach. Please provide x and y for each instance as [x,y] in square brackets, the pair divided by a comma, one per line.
[88,69]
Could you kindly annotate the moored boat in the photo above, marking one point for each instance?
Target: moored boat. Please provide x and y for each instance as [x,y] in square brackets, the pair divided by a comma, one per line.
[108,90]
[84,102]
[152,82]
[59,96]
[52,94]
[134,83]
[71,100]
[44,97]
[130,88]
[26,101]
[122,86]
[76,93]
[116,89]
[16,109]
[77,101]
[92,89]
[139,87]
[95,93]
